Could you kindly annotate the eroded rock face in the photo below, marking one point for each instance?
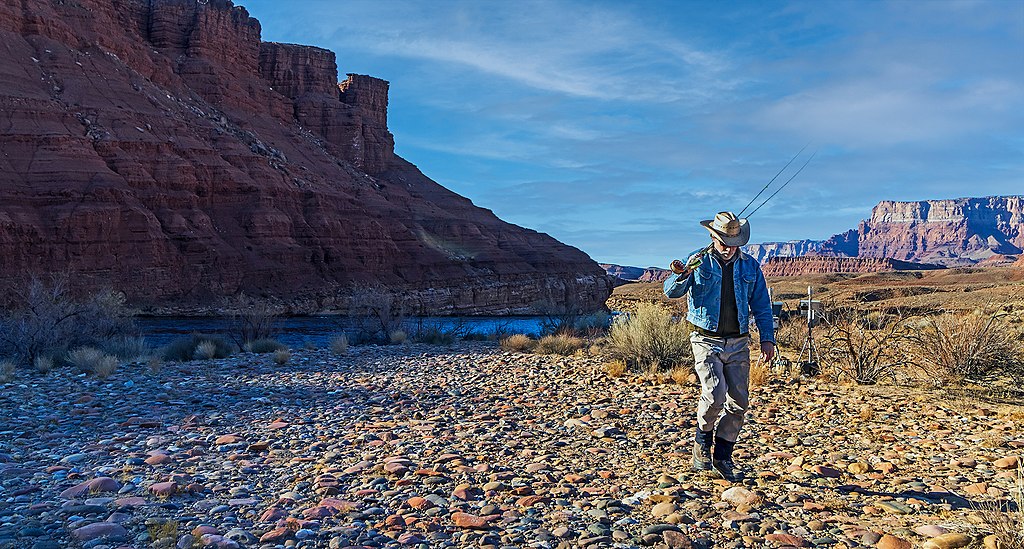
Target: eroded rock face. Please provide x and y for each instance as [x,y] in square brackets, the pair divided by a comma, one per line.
[963,231]
[794,266]
[635,274]
[160,148]
[950,232]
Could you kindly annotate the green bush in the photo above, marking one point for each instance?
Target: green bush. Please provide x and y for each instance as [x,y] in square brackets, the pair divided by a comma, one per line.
[183,349]
[650,338]
[262,346]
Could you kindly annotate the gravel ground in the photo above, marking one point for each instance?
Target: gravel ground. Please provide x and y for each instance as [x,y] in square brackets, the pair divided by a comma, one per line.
[470,446]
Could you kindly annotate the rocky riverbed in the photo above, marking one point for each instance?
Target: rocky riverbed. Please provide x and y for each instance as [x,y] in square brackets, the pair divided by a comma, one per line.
[470,446]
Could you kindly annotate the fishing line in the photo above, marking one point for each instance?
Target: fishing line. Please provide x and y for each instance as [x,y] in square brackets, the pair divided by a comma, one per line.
[763,189]
[783,185]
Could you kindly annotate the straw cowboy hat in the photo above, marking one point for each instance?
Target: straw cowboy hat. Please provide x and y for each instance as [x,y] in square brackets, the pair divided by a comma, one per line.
[727,228]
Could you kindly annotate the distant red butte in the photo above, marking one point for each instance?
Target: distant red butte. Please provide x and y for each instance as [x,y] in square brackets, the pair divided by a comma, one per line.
[795,266]
[161,148]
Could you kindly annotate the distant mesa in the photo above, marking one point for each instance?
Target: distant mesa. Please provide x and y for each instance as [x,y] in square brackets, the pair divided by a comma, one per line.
[795,266]
[623,275]
[160,147]
[957,232]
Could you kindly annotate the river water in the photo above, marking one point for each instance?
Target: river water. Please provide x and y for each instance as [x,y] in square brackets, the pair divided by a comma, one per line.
[319,330]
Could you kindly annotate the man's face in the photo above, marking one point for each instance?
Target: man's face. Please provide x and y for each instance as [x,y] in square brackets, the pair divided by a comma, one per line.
[726,251]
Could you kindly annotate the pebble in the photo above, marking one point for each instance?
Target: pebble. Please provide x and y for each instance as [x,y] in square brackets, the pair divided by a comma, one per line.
[470,446]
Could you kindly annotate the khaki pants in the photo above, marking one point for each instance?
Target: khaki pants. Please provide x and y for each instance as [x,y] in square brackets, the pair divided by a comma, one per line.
[723,366]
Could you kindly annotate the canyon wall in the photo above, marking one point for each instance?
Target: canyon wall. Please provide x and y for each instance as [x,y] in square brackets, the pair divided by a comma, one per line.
[962,231]
[159,147]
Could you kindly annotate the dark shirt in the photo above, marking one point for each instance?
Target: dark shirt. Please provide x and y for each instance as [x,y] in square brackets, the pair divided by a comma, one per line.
[728,316]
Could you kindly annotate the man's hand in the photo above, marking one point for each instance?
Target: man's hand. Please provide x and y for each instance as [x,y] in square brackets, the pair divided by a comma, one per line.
[767,352]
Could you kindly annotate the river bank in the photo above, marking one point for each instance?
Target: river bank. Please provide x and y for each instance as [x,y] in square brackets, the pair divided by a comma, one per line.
[462,446]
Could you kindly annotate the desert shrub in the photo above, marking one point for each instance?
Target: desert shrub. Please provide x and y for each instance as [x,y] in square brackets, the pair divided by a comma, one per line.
[339,344]
[398,337]
[376,312]
[127,347]
[262,346]
[183,349]
[47,318]
[650,338]
[282,356]
[475,336]
[90,360]
[956,345]
[7,368]
[862,354]
[558,344]
[252,320]
[569,318]
[518,343]
[434,332]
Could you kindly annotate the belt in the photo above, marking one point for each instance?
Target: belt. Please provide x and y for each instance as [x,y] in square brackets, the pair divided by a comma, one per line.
[708,333]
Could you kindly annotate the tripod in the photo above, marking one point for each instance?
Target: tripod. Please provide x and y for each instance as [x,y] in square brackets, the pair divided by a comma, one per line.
[810,366]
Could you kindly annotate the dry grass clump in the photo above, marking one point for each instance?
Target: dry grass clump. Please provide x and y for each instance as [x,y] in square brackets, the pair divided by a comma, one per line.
[397,337]
[339,344]
[681,375]
[1006,525]
[615,368]
[43,364]
[264,345]
[6,371]
[282,356]
[196,346]
[518,343]
[760,373]
[559,344]
[650,338]
[205,350]
[90,360]
[959,345]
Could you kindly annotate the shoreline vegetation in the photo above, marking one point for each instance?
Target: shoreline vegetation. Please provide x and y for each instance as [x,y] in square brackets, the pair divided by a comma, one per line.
[402,434]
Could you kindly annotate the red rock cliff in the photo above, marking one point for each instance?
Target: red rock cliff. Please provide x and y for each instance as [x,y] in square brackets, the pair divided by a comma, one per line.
[794,266]
[951,232]
[158,146]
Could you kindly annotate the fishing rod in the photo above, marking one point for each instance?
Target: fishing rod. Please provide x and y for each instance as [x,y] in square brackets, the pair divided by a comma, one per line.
[695,260]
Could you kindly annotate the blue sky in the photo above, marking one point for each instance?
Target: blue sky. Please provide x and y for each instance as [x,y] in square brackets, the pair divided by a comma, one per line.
[616,126]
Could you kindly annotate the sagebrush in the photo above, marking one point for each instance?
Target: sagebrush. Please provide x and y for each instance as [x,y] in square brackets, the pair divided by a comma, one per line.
[47,317]
[650,338]
[954,345]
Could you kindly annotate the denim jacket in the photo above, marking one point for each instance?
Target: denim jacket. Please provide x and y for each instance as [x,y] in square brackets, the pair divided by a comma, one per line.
[704,302]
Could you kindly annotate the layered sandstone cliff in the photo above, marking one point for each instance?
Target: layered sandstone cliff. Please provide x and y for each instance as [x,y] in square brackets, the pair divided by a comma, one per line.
[625,274]
[963,231]
[793,266]
[950,232]
[158,146]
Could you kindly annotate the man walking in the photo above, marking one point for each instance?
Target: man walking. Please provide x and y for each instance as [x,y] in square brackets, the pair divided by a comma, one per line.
[726,287]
